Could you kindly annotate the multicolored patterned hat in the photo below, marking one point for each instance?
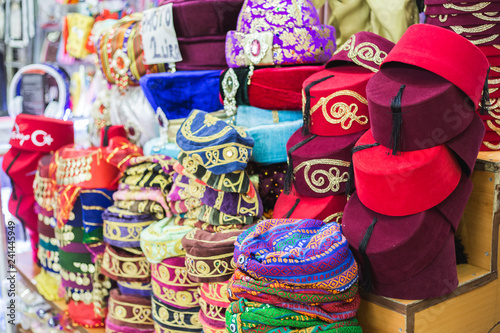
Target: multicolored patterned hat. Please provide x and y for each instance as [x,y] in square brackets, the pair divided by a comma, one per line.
[279,33]
[216,145]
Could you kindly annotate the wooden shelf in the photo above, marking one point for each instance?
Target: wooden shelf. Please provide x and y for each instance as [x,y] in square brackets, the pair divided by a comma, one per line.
[28,270]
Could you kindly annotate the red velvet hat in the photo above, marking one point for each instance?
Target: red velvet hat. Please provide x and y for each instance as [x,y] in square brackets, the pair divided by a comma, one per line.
[296,206]
[399,185]
[334,100]
[494,60]
[383,244]
[319,165]
[462,8]
[427,110]
[490,50]
[270,88]
[437,53]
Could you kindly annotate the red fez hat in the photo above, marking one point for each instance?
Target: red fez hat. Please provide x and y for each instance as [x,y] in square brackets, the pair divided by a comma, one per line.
[464,7]
[437,52]
[319,165]
[296,206]
[334,100]
[383,244]
[490,50]
[399,185]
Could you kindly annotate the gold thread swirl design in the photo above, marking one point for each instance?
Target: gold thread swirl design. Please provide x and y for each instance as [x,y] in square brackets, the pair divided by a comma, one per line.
[484,40]
[212,311]
[213,292]
[487,16]
[481,28]
[364,51]
[337,216]
[316,181]
[222,265]
[188,298]
[340,112]
[141,314]
[177,318]
[113,231]
[209,121]
[128,267]
[161,272]
[474,8]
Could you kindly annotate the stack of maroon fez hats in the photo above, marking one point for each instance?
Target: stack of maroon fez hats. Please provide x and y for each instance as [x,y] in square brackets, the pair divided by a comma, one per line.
[478,22]
[411,169]
[335,112]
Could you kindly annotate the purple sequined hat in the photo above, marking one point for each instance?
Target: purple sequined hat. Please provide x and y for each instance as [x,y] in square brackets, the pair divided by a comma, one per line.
[286,32]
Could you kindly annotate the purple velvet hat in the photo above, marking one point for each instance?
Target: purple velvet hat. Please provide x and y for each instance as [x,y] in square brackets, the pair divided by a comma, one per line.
[412,109]
[289,33]
[461,8]
[383,245]
[464,20]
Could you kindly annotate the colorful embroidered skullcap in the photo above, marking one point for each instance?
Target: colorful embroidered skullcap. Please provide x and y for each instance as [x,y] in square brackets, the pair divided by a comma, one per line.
[216,217]
[123,228]
[288,33]
[132,313]
[149,171]
[213,303]
[237,181]
[297,252]
[162,239]
[248,316]
[183,206]
[149,207]
[209,256]
[144,195]
[128,265]
[94,202]
[172,285]
[195,223]
[135,288]
[171,319]
[216,145]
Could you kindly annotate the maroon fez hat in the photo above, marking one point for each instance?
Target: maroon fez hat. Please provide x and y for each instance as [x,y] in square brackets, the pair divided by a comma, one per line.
[319,165]
[413,109]
[383,245]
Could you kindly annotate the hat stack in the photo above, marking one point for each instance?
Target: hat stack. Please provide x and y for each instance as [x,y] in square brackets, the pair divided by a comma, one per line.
[140,202]
[293,275]
[335,116]
[424,134]
[478,22]
[84,181]
[211,169]
[267,101]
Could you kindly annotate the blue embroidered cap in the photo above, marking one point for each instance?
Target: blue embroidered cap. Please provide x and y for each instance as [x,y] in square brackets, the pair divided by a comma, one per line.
[249,116]
[94,202]
[219,147]
[180,92]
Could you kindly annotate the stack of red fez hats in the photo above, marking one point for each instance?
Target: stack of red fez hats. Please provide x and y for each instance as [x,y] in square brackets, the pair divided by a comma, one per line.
[478,22]
[335,112]
[411,169]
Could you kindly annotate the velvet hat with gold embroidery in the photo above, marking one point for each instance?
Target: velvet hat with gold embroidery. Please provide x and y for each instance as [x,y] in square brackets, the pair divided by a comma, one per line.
[129,314]
[216,145]
[141,289]
[128,265]
[319,165]
[123,228]
[171,319]
[288,34]
[209,256]
[213,303]
[334,100]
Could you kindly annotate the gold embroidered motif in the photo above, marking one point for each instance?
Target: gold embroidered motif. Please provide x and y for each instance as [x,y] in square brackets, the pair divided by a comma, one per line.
[126,267]
[140,314]
[494,81]
[365,51]
[487,16]
[212,311]
[162,249]
[481,28]
[215,294]
[340,112]
[316,181]
[221,154]
[337,216]
[188,134]
[491,146]
[124,231]
[484,40]
[186,298]
[197,267]
[473,8]
[178,319]
[161,272]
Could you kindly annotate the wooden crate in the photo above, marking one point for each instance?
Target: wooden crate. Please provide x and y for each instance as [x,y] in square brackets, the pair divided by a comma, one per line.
[475,305]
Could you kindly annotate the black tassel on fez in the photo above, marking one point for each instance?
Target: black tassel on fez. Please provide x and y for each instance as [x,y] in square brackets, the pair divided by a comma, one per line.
[367,267]
[306,113]
[289,170]
[485,97]
[397,123]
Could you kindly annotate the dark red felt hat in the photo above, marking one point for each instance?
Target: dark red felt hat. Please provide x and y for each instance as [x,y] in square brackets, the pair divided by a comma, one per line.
[296,206]
[319,164]
[425,237]
[490,50]
[334,100]
[437,53]
[465,19]
[462,8]
[399,185]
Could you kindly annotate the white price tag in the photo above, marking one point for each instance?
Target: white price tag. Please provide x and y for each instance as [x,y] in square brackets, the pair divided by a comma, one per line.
[159,39]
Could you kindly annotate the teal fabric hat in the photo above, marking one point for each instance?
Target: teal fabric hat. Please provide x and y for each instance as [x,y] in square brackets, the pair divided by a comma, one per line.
[219,147]
[249,116]
[161,146]
[162,240]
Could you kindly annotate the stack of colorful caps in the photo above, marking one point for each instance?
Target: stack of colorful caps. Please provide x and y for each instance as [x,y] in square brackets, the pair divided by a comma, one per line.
[476,21]
[49,279]
[267,101]
[173,96]
[293,275]
[32,137]
[335,117]
[423,136]
[201,28]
